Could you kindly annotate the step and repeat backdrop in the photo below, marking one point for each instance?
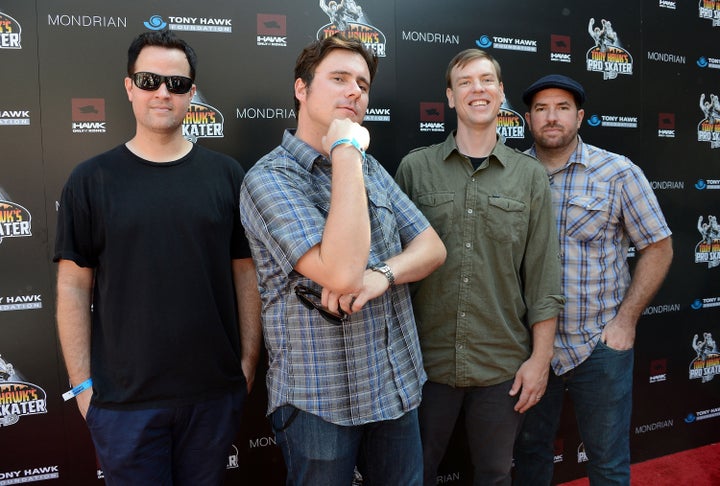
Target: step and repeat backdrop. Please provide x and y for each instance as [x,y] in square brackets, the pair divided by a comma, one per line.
[652,95]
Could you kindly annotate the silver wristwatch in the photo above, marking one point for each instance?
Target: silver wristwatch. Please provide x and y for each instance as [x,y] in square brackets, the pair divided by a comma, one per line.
[383,268]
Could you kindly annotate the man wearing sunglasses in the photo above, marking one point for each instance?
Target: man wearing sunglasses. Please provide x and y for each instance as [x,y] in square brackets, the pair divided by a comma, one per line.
[335,242]
[157,306]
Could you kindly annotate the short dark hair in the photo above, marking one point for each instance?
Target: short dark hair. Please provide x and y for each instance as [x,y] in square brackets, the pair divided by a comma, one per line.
[162,38]
[314,53]
[462,58]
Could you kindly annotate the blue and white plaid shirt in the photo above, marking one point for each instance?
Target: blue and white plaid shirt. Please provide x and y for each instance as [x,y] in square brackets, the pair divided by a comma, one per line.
[370,368]
[603,203]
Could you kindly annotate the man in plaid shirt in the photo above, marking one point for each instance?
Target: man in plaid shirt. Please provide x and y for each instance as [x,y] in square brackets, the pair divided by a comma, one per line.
[603,203]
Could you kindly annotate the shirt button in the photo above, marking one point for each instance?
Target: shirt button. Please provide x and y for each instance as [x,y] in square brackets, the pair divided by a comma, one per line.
[466,280]
[470,211]
[459,346]
[462,314]
[468,245]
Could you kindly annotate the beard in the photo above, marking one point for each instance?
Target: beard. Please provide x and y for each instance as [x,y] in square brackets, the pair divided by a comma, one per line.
[559,138]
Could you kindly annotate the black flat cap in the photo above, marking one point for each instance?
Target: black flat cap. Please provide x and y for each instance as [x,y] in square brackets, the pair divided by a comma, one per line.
[555,81]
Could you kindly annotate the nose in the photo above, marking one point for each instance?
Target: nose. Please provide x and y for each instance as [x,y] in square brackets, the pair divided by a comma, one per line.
[354,91]
[552,114]
[162,91]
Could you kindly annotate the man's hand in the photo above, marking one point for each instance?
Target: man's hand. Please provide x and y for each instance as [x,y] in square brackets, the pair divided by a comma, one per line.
[345,128]
[619,333]
[83,401]
[532,379]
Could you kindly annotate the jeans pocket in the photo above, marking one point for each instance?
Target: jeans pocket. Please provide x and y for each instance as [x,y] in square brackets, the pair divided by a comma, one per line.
[604,346]
[280,424]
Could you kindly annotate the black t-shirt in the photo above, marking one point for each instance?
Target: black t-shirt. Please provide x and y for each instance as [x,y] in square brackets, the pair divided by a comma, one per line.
[160,237]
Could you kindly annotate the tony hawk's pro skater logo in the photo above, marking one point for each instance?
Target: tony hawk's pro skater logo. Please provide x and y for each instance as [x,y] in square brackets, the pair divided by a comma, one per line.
[202,120]
[707,360]
[509,123]
[347,17]
[709,127]
[18,398]
[710,9]
[607,56]
[708,249]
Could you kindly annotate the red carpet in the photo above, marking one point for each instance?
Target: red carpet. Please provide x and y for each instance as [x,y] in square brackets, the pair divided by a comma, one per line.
[695,467]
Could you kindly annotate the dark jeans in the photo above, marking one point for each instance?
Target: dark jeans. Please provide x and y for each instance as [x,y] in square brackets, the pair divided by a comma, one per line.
[186,445]
[601,391]
[319,453]
[490,422]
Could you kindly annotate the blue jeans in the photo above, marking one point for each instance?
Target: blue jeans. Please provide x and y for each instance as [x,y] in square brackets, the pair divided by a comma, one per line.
[319,453]
[490,422]
[601,391]
[186,445]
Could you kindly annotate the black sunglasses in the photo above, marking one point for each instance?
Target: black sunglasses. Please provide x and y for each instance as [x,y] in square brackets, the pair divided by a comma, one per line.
[152,81]
[303,292]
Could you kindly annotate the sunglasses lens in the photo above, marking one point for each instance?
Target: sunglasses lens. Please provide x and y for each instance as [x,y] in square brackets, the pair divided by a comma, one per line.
[178,84]
[302,292]
[330,317]
[305,301]
[147,81]
[152,81]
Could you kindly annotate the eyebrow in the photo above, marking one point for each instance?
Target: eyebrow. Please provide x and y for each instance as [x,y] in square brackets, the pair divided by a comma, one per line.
[483,76]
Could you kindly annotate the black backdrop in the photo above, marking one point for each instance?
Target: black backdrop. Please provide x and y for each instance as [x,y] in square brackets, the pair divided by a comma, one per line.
[650,97]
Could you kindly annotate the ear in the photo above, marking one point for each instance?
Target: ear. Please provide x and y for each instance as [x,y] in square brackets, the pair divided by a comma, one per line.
[129,88]
[300,90]
[527,118]
[450,97]
[580,116]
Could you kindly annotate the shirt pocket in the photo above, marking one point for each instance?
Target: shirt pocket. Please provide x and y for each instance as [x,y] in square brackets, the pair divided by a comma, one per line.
[587,217]
[382,218]
[438,209]
[505,218]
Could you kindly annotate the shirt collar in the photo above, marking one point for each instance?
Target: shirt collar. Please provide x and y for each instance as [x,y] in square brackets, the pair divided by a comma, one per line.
[500,152]
[580,156]
[303,153]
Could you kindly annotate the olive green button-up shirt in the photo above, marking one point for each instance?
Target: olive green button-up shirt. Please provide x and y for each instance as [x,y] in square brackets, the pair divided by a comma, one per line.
[502,272]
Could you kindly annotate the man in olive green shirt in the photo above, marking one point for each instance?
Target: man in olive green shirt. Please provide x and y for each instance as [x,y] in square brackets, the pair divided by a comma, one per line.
[487,317]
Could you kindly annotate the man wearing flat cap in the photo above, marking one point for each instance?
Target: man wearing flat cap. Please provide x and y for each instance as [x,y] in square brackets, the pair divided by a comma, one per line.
[603,204]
